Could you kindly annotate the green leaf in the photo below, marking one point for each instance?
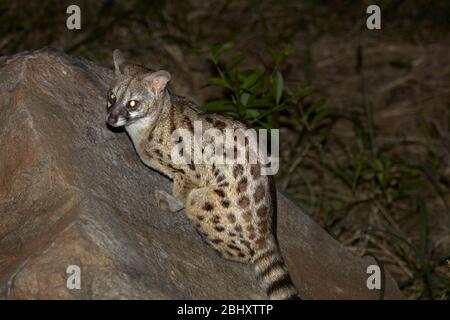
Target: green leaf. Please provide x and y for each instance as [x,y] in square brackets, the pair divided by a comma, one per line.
[276,56]
[279,56]
[219,82]
[288,50]
[218,50]
[251,113]
[251,79]
[278,86]
[304,92]
[219,106]
[358,164]
[236,61]
[339,173]
[266,124]
[323,134]
[244,98]
[262,103]
[379,170]
[320,115]
[314,107]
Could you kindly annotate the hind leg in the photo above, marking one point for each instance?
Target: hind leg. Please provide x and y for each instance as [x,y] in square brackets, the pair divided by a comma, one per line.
[215,222]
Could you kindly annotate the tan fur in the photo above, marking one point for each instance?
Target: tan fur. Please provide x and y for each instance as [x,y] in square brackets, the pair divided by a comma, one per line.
[231,206]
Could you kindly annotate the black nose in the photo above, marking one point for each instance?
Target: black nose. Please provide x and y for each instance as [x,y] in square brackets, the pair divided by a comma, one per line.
[112,120]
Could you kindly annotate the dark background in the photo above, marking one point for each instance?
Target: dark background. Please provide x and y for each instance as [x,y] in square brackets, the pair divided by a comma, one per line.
[364,114]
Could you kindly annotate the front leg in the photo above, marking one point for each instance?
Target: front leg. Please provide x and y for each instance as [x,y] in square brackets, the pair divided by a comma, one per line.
[176,201]
[181,188]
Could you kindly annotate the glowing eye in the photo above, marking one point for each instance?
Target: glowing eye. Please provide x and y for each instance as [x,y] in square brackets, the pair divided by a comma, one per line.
[132,104]
[112,98]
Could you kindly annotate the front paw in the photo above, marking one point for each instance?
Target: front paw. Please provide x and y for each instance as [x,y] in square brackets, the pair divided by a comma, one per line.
[160,199]
[166,201]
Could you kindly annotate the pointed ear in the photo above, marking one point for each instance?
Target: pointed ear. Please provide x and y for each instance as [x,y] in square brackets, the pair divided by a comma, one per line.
[157,81]
[119,61]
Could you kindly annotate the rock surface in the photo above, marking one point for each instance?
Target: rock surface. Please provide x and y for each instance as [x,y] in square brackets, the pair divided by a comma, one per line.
[72,192]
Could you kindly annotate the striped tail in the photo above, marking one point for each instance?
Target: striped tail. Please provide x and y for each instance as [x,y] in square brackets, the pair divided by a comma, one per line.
[273,275]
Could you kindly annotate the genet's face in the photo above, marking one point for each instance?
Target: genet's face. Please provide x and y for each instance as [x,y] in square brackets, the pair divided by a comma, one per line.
[137,93]
[124,103]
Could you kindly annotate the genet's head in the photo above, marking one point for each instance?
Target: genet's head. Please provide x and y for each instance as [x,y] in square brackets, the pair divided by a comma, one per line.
[136,93]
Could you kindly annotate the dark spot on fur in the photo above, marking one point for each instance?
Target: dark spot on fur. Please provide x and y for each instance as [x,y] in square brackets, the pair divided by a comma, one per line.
[216,219]
[255,171]
[148,153]
[172,120]
[238,170]
[208,206]
[224,184]
[242,185]
[158,153]
[231,217]
[220,124]
[220,178]
[260,243]
[244,202]
[220,193]
[216,241]
[247,216]
[245,243]
[263,226]
[219,228]
[238,228]
[200,217]
[231,254]
[225,203]
[259,193]
[233,247]
[188,123]
[262,212]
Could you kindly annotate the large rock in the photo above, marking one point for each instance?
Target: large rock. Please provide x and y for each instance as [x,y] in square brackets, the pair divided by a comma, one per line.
[74,193]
